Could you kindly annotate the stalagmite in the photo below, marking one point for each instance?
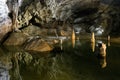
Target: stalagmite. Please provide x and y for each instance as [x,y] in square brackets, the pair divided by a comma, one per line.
[93,37]
[93,41]
[73,38]
[73,35]
[103,50]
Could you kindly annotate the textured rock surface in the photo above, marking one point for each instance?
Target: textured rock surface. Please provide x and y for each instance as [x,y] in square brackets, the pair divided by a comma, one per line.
[16,39]
[85,15]
[5,22]
[43,11]
[19,38]
[38,45]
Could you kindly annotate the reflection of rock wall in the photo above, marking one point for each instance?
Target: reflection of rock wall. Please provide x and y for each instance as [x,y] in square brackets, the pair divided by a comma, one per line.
[5,65]
[4,74]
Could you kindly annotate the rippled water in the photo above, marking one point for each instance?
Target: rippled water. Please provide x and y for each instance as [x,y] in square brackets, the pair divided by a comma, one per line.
[73,62]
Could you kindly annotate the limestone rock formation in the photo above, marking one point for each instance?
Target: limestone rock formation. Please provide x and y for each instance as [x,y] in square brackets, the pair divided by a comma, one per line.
[89,15]
[43,11]
[5,22]
[38,45]
[16,39]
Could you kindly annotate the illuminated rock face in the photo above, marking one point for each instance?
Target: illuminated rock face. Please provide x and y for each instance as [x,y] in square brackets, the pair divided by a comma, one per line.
[44,11]
[64,9]
[3,10]
[5,22]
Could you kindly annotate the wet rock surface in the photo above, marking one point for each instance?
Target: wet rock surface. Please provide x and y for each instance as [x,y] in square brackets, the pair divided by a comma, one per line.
[16,39]
[36,19]
[38,45]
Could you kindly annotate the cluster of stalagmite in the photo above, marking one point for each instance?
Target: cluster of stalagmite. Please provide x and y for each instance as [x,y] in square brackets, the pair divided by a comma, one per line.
[100,51]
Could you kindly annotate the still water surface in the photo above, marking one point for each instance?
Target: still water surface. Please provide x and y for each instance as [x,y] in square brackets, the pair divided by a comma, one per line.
[74,62]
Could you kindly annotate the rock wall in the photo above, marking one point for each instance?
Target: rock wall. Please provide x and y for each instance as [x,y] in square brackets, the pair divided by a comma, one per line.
[84,14]
[5,21]
[43,11]
[80,13]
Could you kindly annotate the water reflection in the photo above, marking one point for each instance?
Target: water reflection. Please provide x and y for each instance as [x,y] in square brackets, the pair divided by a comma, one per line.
[15,67]
[103,62]
[62,64]
[108,40]
[61,44]
[101,53]
[5,65]
[108,43]
[93,46]
[73,43]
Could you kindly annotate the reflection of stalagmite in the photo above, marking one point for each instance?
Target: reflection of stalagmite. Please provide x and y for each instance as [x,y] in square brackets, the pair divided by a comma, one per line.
[102,55]
[93,37]
[108,40]
[93,46]
[73,38]
[61,44]
[103,63]
[16,72]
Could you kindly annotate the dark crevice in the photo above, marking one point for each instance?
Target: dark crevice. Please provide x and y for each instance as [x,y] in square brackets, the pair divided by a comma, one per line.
[5,38]
[33,22]
[82,13]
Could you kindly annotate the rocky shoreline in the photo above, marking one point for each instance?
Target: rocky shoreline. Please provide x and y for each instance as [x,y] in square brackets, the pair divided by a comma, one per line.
[40,19]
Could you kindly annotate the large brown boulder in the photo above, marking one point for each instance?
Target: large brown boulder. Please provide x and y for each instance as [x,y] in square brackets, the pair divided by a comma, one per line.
[16,39]
[38,45]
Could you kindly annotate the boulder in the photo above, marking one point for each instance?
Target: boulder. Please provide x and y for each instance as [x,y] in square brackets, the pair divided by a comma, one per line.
[28,33]
[38,45]
[16,39]
[34,31]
